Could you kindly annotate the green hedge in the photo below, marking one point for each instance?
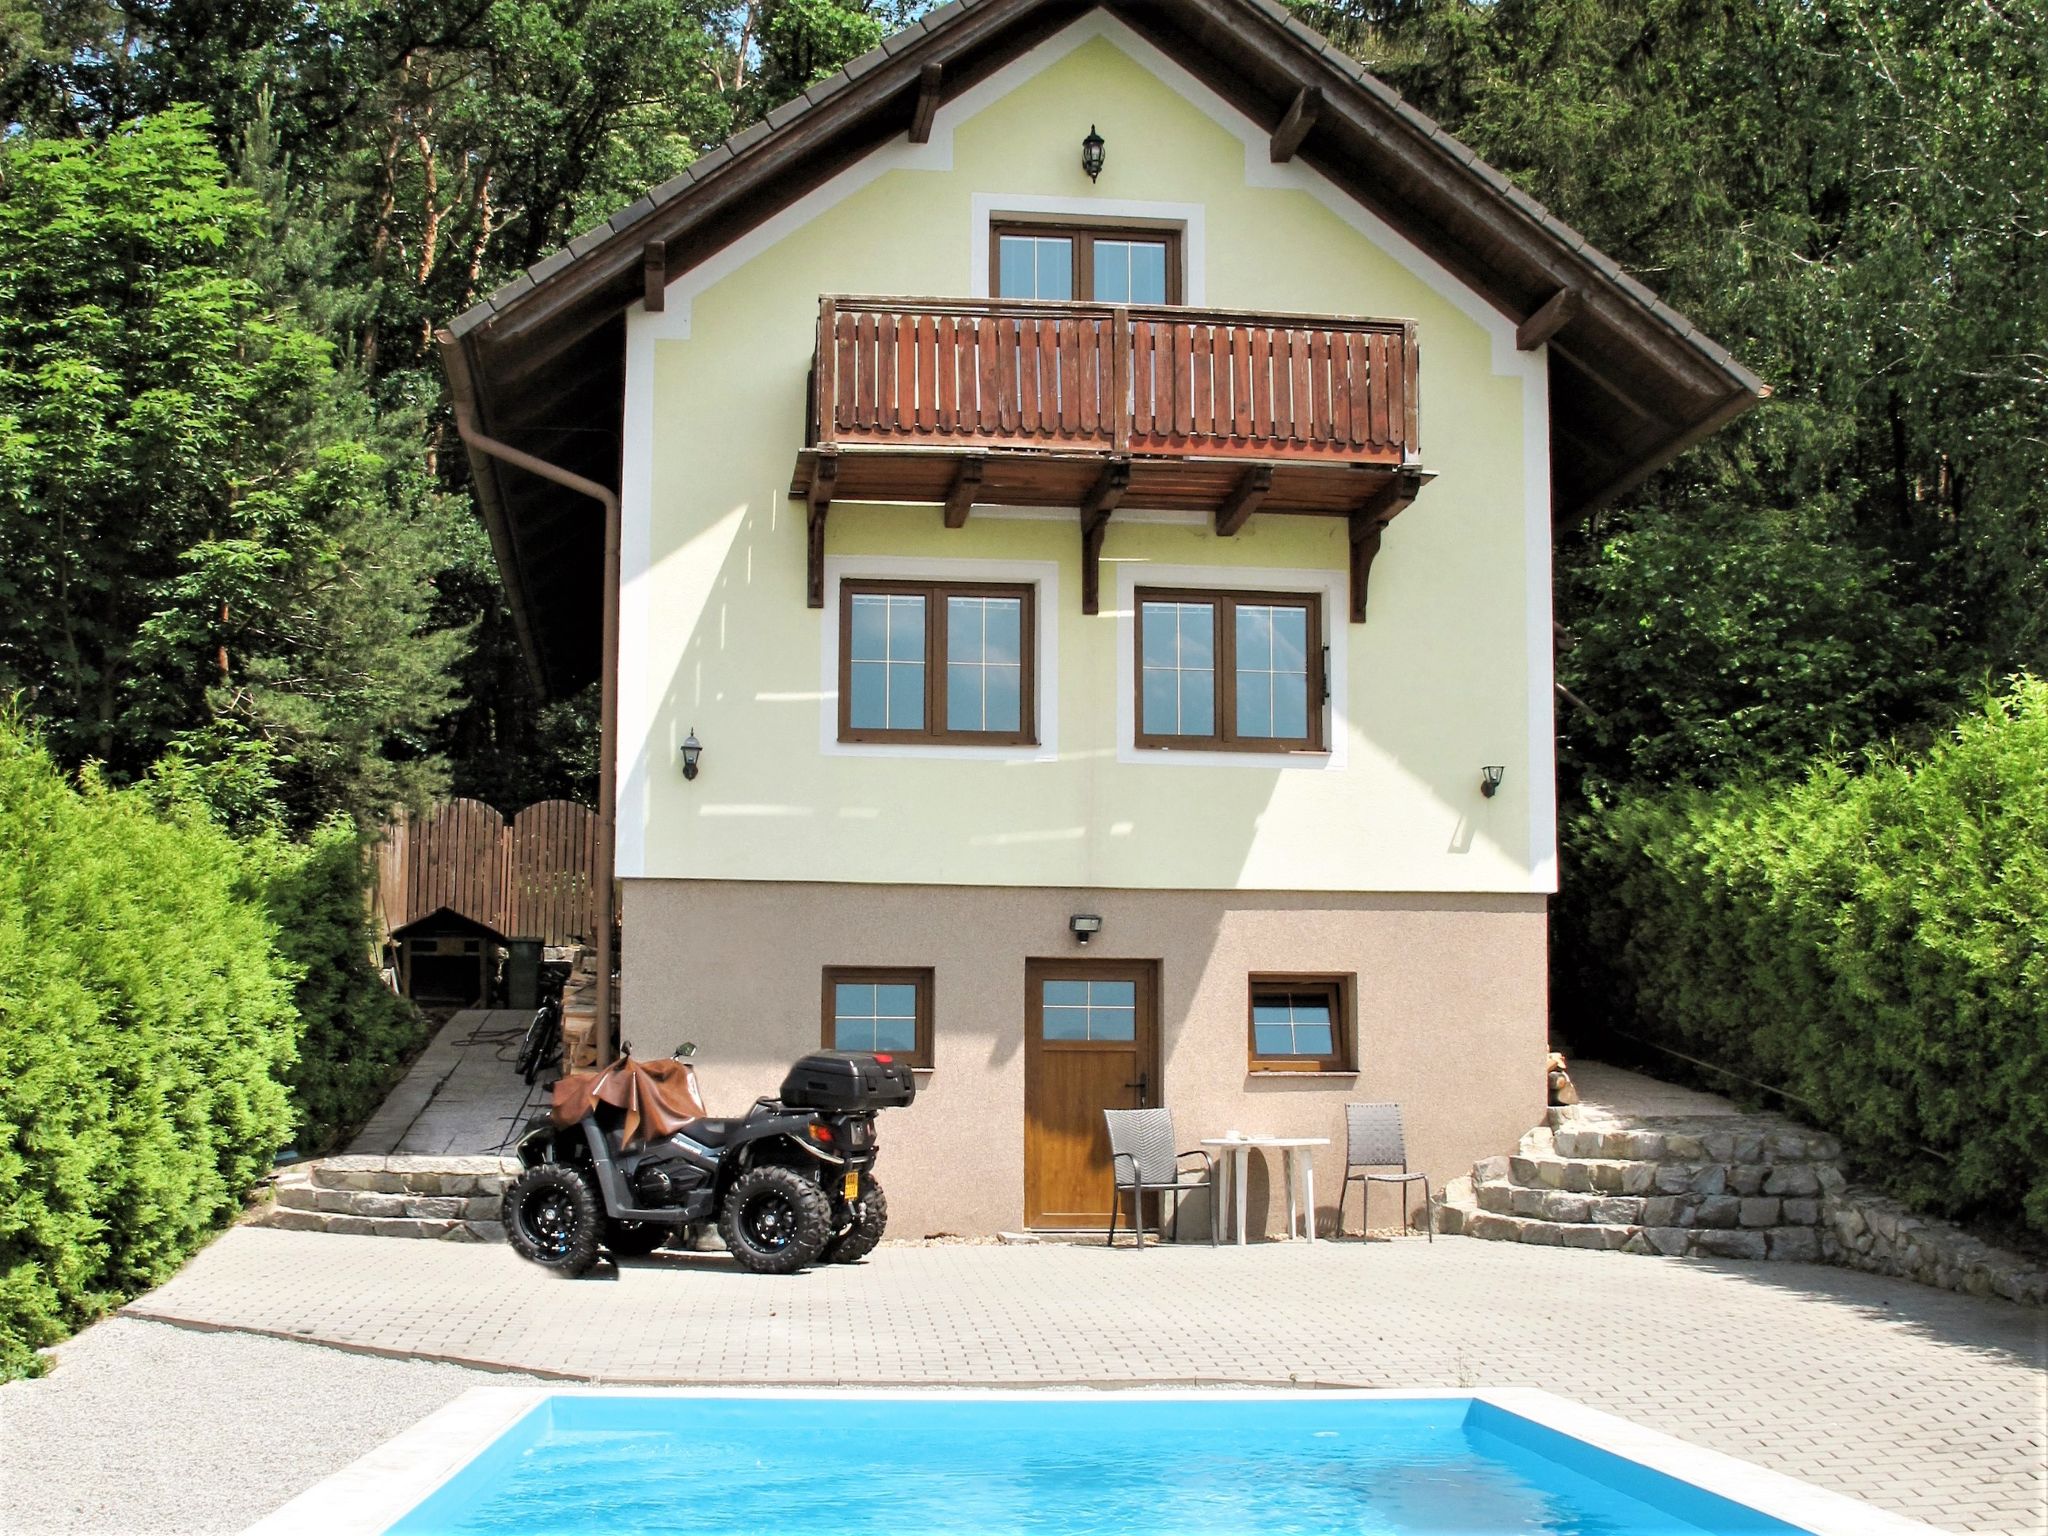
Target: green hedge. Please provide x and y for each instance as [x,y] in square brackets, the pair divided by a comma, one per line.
[1874,942]
[357,1035]
[146,1029]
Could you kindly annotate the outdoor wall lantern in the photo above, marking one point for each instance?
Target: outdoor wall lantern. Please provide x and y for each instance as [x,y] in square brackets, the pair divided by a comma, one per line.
[694,749]
[1084,926]
[1489,781]
[1093,153]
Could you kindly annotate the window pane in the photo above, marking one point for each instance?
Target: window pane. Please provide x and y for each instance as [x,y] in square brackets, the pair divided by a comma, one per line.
[1112,994]
[896,1000]
[1272,671]
[1254,704]
[1311,1039]
[964,699]
[1112,1024]
[852,999]
[1179,682]
[1005,702]
[1162,703]
[1013,277]
[1066,994]
[870,627]
[906,628]
[1003,638]
[1273,1039]
[984,673]
[906,696]
[1148,272]
[1112,272]
[1065,1024]
[869,708]
[1035,267]
[895,1035]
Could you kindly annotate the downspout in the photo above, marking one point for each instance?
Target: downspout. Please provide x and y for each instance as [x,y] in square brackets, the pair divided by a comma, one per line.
[476,441]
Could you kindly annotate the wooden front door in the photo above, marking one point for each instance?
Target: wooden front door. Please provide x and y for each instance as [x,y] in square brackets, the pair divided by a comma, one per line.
[1091,1035]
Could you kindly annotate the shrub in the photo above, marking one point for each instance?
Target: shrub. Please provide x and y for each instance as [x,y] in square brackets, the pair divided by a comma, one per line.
[1873,942]
[146,1026]
[356,1034]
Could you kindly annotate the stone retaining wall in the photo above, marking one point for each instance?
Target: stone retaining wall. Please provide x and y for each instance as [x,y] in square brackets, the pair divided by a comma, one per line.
[1862,1229]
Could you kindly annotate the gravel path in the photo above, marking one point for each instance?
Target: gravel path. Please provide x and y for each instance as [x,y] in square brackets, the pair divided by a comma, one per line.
[150,1430]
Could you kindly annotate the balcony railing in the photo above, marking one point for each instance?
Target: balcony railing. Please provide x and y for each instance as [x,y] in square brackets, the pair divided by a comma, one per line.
[1000,374]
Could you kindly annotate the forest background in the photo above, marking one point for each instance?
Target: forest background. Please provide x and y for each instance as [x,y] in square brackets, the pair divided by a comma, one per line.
[240,571]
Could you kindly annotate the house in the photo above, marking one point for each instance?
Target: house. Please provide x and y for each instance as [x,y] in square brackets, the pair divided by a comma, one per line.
[1081,485]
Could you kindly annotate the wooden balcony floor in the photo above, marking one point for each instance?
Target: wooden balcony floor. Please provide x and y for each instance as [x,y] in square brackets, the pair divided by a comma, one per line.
[1034,478]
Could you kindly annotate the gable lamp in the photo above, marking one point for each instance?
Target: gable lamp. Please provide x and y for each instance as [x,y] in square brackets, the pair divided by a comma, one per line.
[692,750]
[1093,153]
[1489,781]
[1084,926]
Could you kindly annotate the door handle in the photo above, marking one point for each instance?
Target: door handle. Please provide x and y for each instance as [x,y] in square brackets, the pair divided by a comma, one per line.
[1144,1079]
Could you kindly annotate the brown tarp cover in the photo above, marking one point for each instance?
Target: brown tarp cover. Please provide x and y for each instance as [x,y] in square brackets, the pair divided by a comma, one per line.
[656,1096]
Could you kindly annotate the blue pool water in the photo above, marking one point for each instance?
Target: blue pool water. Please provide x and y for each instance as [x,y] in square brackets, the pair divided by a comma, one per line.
[848,1466]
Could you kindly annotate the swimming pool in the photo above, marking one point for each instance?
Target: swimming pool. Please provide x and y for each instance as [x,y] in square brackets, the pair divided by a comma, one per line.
[1060,1463]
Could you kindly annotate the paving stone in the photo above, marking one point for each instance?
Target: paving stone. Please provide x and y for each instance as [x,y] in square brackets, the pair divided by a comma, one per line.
[1907,1396]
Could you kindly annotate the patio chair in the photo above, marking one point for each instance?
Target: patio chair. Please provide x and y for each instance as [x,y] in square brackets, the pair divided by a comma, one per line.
[1373,1139]
[1142,1161]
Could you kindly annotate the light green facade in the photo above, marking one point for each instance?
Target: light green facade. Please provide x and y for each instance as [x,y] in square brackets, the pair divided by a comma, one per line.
[1451,671]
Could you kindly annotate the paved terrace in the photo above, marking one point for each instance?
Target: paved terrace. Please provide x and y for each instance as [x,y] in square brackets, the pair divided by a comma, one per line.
[1924,1402]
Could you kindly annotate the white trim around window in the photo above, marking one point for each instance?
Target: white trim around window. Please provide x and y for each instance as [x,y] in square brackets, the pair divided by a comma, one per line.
[1334,589]
[1043,575]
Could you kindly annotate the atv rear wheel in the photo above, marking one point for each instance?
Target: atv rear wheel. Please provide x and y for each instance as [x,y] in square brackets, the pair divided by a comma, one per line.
[858,1239]
[775,1221]
[552,1218]
[635,1239]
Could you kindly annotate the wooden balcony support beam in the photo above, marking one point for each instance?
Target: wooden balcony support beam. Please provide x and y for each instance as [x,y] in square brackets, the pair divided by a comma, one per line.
[1552,316]
[927,103]
[1243,500]
[824,476]
[1369,522]
[966,481]
[654,275]
[1103,500]
[1295,126]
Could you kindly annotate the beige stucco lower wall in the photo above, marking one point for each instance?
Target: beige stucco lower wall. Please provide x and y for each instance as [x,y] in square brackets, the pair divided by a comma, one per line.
[1451,1017]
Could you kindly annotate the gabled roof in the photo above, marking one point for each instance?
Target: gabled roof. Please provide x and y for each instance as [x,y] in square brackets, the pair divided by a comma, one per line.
[1632,382]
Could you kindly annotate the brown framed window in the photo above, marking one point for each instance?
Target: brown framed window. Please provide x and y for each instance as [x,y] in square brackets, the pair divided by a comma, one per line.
[1102,264]
[887,1010]
[1242,671]
[931,661]
[1301,1024]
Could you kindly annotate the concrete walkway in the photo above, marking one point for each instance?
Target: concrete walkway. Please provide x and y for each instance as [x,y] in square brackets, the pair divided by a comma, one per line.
[1926,1403]
[461,1096]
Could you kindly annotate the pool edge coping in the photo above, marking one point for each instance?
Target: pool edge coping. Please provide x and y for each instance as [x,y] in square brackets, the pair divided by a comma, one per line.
[382,1486]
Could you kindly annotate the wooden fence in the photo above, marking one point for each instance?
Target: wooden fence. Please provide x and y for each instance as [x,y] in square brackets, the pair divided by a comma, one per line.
[532,877]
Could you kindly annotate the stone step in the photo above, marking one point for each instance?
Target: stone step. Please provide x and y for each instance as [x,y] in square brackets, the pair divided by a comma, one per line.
[1689,1209]
[1455,1213]
[447,1230]
[457,1199]
[1739,1144]
[1637,1176]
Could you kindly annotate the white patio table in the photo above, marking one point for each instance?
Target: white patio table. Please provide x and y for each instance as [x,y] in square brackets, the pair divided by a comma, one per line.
[1301,1168]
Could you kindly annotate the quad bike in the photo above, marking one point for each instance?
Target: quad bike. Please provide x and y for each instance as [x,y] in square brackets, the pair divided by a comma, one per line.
[628,1160]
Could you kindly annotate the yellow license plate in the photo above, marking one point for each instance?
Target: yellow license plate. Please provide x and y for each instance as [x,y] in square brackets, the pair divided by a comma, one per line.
[853,1186]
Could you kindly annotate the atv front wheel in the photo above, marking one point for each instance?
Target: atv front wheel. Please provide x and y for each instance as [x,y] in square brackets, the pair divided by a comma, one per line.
[635,1239]
[775,1221]
[553,1219]
[858,1240]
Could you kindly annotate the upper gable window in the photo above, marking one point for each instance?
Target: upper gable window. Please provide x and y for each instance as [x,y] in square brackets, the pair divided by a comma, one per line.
[1096,264]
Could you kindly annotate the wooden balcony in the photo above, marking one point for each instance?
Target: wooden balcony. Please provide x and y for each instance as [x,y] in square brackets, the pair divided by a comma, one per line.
[1100,407]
